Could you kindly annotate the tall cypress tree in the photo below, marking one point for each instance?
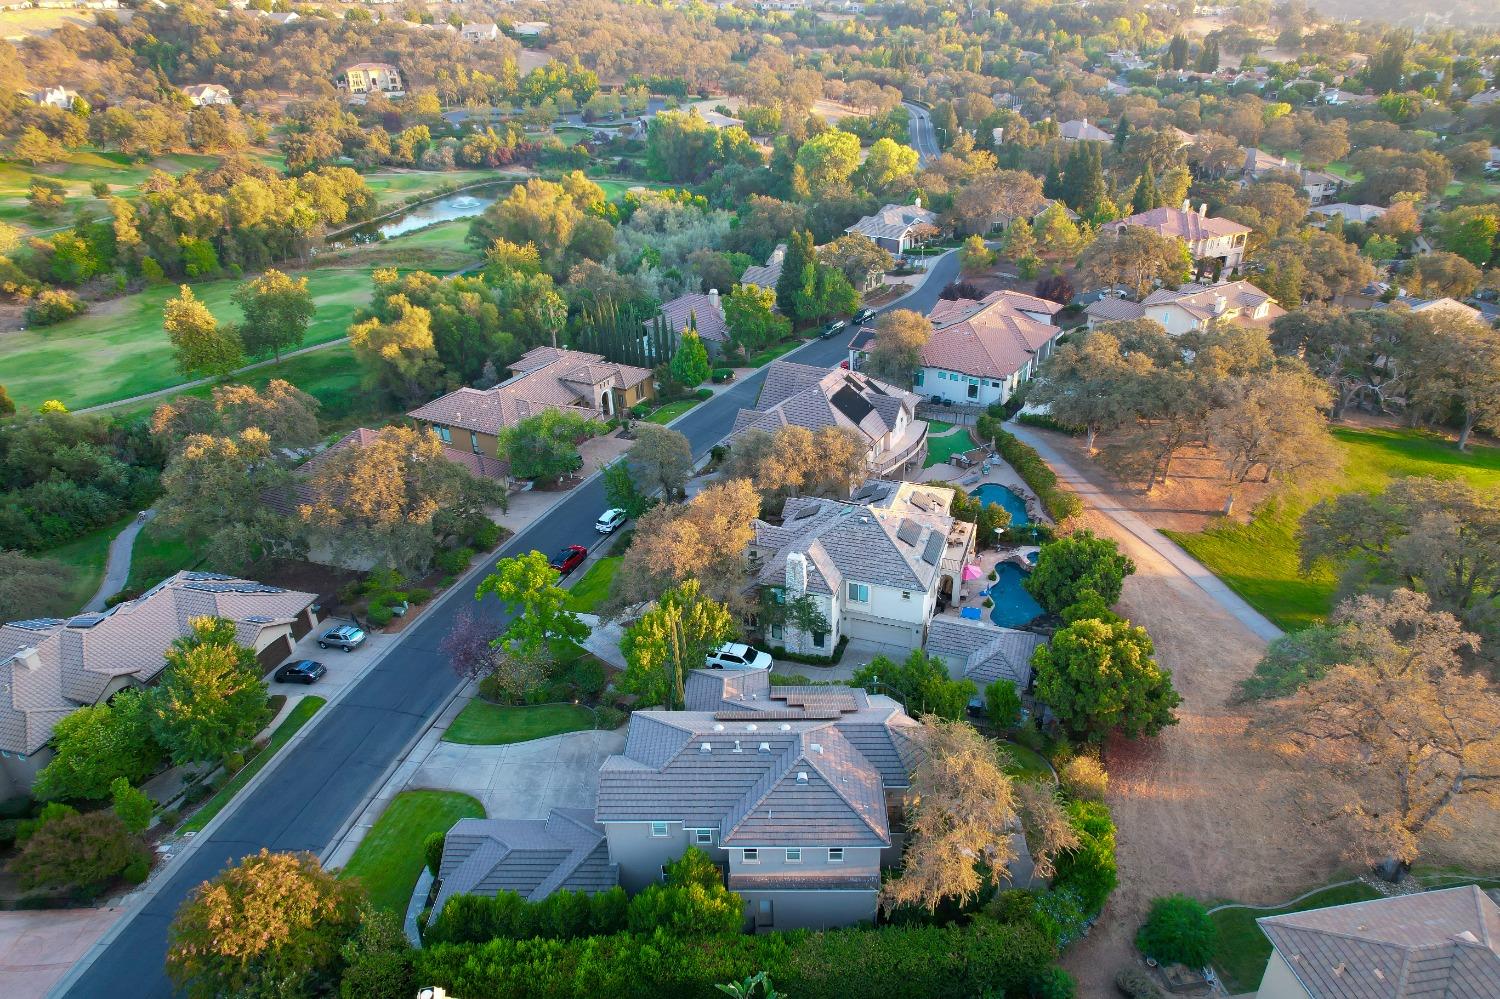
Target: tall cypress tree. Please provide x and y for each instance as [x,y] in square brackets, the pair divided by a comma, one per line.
[799,255]
[1083,185]
[1052,184]
[1122,133]
[1147,195]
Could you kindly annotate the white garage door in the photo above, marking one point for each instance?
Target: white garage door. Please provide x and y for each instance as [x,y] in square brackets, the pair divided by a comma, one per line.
[900,638]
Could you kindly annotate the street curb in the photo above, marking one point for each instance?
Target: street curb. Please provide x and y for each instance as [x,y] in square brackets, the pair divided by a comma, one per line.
[141,898]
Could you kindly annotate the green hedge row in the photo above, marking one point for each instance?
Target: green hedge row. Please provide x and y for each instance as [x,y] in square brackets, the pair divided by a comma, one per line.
[1046,422]
[1059,501]
[952,962]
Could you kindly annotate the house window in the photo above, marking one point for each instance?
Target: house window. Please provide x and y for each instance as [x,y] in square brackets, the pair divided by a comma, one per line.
[906,594]
[444,434]
[473,442]
[835,855]
[776,631]
[750,856]
[703,837]
[658,829]
[819,638]
[916,377]
[859,593]
[793,855]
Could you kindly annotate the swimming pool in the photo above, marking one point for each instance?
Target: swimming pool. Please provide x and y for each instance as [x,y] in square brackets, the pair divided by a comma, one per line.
[1013,605]
[992,492]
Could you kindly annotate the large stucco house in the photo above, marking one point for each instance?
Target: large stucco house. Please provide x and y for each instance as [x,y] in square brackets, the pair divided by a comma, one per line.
[544,378]
[1431,944]
[1216,245]
[794,792]
[897,228]
[875,565]
[1193,306]
[364,78]
[50,667]
[879,414]
[980,352]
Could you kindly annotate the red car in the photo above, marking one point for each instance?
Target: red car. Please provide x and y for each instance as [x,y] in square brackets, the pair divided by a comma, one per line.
[569,558]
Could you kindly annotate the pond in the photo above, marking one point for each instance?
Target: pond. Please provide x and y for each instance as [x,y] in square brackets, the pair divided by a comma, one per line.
[1013,605]
[464,205]
[992,492]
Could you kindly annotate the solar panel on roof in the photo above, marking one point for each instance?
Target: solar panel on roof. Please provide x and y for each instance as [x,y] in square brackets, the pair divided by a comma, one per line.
[811,510]
[934,550]
[809,715]
[85,620]
[909,531]
[924,501]
[38,623]
[865,491]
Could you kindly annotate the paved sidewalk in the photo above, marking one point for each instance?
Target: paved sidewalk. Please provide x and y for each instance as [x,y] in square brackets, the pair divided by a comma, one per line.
[1119,511]
[117,567]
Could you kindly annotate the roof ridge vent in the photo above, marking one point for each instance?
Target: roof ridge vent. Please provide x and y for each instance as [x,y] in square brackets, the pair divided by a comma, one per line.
[752,727]
[765,747]
[706,748]
[737,747]
[785,727]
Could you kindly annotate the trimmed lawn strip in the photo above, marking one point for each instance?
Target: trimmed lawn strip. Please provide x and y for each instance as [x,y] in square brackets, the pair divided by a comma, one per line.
[672,411]
[294,720]
[158,553]
[481,723]
[86,556]
[771,353]
[1260,560]
[593,587]
[940,449]
[1026,763]
[1244,950]
[390,857]
[128,351]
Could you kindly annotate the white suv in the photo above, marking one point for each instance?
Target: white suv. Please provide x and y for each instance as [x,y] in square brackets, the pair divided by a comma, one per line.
[736,656]
[609,520]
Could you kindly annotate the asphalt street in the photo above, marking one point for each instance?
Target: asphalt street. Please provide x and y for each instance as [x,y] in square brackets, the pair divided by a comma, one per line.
[303,802]
[920,129]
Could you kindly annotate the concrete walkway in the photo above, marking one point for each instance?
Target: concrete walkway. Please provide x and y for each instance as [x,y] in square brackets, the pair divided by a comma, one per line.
[1116,509]
[117,567]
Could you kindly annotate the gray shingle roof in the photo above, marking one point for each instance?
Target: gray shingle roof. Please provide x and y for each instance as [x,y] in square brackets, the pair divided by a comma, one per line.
[805,396]
[774,766]
[706,310]
[1433,944]
[532,857]
[985,652]
[893,221]
[766,276]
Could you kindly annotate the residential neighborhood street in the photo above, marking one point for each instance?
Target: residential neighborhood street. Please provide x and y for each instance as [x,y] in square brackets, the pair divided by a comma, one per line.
[304,798]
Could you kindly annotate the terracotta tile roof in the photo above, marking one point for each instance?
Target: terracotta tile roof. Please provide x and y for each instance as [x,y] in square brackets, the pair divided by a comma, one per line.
[49,667]
[1438,944]
[991,338]
[546,378]
[1190,227]
[1108,310]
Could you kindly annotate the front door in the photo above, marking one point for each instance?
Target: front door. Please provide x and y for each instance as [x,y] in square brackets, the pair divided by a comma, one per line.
[973,390]
[764,917]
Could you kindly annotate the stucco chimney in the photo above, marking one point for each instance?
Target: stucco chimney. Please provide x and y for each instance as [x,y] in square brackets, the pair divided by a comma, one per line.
[1187,205]
[1203,210]
[29,659]
[796,575]
[1220,304]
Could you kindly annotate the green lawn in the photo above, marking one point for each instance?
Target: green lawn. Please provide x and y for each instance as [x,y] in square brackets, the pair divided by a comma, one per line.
[483,724]
[940,449]
[77,171]
[295,719]
[1027,763]
[85,557]
[771,353]
[157,554]
[571,135]
[390,857]
[672,410]
[127,351]
[593,586]
[393,188]
[1259,560]
[1244,950]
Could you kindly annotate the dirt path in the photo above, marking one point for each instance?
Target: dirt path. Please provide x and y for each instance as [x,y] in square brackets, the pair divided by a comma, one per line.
[1199,810]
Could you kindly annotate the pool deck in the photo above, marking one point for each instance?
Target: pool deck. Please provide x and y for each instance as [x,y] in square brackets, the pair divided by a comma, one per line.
[1000,474]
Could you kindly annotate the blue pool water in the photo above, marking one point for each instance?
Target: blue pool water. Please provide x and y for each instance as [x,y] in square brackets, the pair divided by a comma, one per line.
[1007,497]
[1013,605]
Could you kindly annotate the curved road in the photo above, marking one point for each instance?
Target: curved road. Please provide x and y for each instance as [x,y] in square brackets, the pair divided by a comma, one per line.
[352,742]
[920,131]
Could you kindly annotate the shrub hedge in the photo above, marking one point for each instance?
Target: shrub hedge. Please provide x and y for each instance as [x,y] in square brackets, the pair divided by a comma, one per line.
[1058,500]
[953,962]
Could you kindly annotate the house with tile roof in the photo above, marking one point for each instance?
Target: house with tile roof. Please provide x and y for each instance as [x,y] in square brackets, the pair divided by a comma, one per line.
[1434,944]
[1083,130]
[897,228]
[982,652]
[705,313]
[208,94]
[791,790]
[881,415]
[544,378]
[50,667]
[874,565]
[566,851]
[364,78]
[1217,245]
[766,276]
[1362,214]
[980,352]
[1192,306]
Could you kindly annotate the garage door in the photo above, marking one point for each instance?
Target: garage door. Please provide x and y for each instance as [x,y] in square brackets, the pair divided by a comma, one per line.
[272,654]
[899,637]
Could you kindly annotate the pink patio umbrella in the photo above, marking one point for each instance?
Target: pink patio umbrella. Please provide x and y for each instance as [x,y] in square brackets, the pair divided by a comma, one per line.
[972,571]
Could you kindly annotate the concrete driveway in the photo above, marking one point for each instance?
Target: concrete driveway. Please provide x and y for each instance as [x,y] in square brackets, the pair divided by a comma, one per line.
[38,948]
[524,780]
